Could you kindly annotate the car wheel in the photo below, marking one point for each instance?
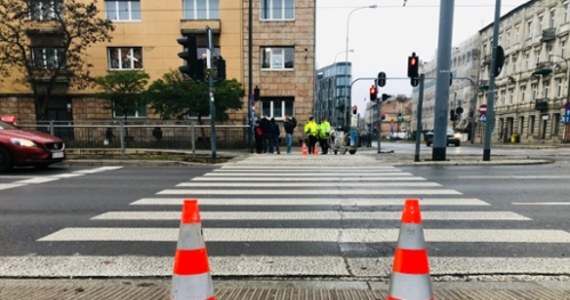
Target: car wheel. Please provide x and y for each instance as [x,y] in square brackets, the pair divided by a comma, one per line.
[5,160]
[457,144]
[352,151]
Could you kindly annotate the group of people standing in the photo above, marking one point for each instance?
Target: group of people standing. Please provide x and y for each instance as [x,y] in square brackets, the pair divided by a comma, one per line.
[267,135]
[318,133]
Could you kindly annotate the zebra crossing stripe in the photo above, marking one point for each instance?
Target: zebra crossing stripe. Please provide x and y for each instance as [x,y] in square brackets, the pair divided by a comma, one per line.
[245,175]
[381,191]
[313,215]
[365,267]
[97,170]
[313,235]
[308,184]
[307,168]
[313,201]
[388,177]
[36,180]
[5,186]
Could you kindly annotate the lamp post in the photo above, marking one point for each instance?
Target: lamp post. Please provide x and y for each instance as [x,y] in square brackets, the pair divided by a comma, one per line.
[348,92]
[567,90]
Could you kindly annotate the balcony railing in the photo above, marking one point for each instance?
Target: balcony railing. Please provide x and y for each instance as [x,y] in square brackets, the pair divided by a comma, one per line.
[543,69]
[541,104]
[548,35]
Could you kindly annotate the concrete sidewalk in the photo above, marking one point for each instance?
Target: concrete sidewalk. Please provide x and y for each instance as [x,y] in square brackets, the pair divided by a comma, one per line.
[142,289]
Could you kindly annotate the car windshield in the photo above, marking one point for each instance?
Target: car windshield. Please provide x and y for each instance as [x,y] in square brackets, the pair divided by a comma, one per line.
[450,131]
[4,125]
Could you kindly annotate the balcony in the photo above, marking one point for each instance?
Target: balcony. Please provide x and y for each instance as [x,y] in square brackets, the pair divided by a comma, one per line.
[43,28]
[548,35]
[188,26]
[543,69]
[541,105]
[483,84]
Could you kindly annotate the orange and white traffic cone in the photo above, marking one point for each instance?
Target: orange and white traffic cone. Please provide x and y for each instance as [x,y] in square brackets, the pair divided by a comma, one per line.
[191,278]
[304,151]
[410,274]
[316,149]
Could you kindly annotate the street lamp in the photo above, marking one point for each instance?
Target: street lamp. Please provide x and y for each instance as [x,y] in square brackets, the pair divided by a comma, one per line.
[347,104]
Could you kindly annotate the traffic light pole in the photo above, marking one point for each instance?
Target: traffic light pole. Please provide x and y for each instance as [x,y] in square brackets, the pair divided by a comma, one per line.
[419,118]
[491,93]
[211,94]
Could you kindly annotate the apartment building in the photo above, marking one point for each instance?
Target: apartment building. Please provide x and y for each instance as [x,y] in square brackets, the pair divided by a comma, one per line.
[532,88]
[283,51]
[331,94]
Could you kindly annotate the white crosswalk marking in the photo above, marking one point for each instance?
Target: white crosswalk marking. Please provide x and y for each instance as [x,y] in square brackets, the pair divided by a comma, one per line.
[280,205]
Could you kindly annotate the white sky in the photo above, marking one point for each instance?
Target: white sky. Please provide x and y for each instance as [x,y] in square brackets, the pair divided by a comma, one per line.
[384,37]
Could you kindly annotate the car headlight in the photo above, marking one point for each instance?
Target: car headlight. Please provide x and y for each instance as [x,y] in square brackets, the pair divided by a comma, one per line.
[457,135]
[23,142]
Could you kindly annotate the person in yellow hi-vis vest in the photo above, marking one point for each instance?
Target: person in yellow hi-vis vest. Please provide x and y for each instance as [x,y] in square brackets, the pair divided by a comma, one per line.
[311,132]
[324,135]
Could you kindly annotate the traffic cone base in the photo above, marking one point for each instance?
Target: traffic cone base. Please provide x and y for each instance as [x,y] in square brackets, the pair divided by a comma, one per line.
[304,149]
[191,277]
[410,277]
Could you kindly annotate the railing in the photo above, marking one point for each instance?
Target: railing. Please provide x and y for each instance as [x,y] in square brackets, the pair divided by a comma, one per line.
[154,136]
[548,34]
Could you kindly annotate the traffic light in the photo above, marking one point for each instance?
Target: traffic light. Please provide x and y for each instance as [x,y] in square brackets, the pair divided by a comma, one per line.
[413,66]
[381,79]
[256,93]
[386,97]
[499,60]
[192,67]
[221,67]
[354,109]
[373,93]
[452,115]
[383,117]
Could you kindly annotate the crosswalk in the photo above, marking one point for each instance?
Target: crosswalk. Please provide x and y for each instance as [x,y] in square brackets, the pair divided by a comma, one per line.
[315,216]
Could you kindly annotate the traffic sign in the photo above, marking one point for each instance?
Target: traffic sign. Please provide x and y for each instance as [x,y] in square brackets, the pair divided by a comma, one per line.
[483,108]
[483,118]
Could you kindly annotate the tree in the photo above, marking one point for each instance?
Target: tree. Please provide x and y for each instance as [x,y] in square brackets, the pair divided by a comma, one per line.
[45,41]
[172,96]
[124,89]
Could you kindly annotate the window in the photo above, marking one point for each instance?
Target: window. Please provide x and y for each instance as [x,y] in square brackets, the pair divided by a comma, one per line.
[277,58]
[566,11]
[511,96]
[123,10]
[126,58]
[517,34]
[558,88]
[552,18]
[508,38]
[529,28]
[534,89]
[531,124]
[41,10]
[523,93]
[201,9]
[278,108]
[277,9]
[546,85]
[539,23]
[521,124]
[48,58]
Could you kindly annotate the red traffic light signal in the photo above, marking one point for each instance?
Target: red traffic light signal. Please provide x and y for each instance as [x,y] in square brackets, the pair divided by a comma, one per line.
[373,93]
[354,109]
[413,66]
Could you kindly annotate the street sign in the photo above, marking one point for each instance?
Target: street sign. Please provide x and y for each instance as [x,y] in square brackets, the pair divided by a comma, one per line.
[566,118]
[483,118]
[483,109]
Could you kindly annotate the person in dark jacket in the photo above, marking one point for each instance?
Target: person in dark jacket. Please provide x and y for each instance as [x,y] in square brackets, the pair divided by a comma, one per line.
[289,126]
[258,133]
[274,136]
[266,129]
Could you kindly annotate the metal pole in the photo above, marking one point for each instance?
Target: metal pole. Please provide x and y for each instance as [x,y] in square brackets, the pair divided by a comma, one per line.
[419,117]
[250,76]
[565,133]
[379,118]
[442,81]
[211,95]
[491,93]
[193,134]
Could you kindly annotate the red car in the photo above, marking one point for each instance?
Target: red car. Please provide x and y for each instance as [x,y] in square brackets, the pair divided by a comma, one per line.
[19,147]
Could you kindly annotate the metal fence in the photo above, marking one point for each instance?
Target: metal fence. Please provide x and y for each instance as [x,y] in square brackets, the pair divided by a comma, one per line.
[153,136]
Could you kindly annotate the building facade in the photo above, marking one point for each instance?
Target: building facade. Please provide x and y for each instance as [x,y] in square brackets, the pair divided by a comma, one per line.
[145,38]
[332,87]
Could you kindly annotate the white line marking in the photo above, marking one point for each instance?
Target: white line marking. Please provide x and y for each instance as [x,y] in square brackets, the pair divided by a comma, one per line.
[310,168]
[371,235]
[37,180]
[542,203]
[312,201]
[338,174]
[97,170]
[5,186]
[312,215]
[310,184]
[259,265]
[515,177]
[195,192]
[388,177]
[68,175]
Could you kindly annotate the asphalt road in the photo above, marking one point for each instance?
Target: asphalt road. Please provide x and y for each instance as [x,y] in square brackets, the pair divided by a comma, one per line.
[272,216]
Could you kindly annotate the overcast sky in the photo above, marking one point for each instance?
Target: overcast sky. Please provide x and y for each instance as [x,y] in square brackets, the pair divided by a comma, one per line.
[384,37]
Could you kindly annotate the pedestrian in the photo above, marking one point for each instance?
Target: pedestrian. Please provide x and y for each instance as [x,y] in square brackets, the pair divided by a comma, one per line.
[324,135]
[258,137]
[311,133]
[289,126]
[274,136]
[266,129]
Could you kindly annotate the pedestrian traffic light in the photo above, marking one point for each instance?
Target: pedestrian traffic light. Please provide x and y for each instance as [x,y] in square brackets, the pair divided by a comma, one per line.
[221,68]
[373,93]
[381,79]
[256,93]
[499,61]
[192,67]
[413,66]
[354,109]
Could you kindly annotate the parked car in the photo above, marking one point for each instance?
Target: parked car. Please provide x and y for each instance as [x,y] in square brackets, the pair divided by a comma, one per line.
[452,138]
[20,147]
